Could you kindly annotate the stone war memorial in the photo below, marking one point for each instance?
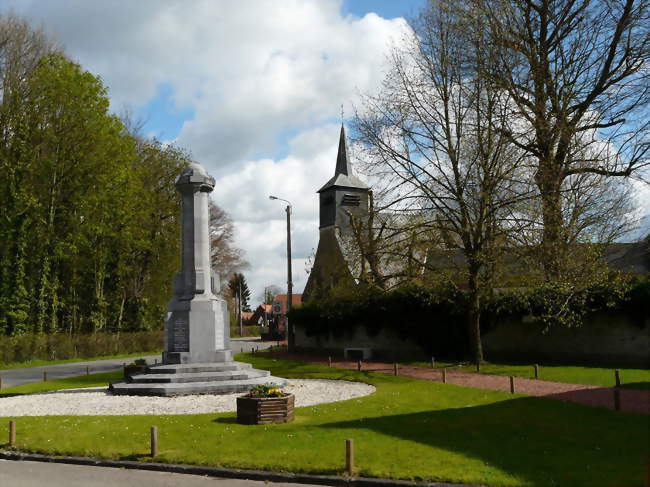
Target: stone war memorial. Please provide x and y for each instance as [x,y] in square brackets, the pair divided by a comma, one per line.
[197,357]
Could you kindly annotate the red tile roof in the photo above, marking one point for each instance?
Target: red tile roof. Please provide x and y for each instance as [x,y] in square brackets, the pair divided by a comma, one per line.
[296,300]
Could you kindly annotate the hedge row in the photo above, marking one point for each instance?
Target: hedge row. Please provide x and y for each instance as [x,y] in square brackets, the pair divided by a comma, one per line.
[61,346]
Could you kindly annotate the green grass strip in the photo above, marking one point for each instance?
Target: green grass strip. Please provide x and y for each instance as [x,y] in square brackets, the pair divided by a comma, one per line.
[92,380]
[597,376]
[408,429]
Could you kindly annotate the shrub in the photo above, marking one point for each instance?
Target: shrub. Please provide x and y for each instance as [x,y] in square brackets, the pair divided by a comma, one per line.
[61,346]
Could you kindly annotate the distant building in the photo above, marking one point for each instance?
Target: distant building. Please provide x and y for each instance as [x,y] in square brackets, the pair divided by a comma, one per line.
[262,314]
[246,318]
[278,319]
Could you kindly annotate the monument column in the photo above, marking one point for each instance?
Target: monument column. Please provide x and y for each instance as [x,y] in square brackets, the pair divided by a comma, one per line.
[195,327]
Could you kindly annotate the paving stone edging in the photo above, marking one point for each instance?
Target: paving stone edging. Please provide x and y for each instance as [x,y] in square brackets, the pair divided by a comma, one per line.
[228,473]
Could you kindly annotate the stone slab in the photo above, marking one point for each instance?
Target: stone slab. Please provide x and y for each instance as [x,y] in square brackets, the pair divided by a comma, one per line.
[197,367]
[200,376]
[189,388]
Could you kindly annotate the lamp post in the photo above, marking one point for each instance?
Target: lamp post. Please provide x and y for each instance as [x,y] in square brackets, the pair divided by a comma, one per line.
[290,334]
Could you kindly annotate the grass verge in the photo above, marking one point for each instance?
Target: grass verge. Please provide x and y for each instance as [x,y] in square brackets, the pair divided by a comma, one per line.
[570,374]
[92,380]
[408,429]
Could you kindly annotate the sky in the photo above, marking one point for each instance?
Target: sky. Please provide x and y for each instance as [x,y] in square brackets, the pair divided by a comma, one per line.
[253,89]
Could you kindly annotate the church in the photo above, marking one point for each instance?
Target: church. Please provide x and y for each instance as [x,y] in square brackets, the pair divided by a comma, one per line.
[343,196]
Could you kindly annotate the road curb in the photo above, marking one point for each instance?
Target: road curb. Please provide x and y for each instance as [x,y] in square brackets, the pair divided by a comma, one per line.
[228,473]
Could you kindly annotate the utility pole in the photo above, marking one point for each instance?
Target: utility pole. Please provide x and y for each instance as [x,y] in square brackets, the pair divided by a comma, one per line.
[289,327]
[241,326]
[290,335]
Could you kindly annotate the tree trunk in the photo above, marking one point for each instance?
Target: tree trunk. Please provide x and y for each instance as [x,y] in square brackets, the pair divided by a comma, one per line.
[553,244]
[473,316]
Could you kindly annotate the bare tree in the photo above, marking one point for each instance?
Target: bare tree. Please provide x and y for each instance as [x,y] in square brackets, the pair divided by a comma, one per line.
[435,136]
[226,258]
[386,247]
[576,72]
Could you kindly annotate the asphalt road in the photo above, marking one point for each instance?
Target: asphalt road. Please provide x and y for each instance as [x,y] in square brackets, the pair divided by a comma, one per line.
[16,377]
[38,474]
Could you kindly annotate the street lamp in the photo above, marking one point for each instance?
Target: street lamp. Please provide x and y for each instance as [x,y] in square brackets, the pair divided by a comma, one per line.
[290,334]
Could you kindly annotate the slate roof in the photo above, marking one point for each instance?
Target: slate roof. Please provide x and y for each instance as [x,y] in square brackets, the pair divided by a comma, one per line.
[343,176]
[628,258]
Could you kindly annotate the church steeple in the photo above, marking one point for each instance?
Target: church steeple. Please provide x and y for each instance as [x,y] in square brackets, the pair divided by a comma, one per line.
[342,163]
[343,176]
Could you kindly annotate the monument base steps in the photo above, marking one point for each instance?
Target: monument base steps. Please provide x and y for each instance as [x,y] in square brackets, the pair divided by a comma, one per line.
[198,378]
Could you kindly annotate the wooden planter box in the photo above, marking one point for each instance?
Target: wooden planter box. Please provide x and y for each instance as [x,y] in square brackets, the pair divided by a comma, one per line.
[265,410]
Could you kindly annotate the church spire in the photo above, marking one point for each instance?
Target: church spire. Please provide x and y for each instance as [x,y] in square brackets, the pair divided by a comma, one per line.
[342,162]
[343,176]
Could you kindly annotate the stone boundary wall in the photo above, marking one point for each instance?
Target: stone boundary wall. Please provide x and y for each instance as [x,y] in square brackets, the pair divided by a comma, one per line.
[385,344]
[609,339]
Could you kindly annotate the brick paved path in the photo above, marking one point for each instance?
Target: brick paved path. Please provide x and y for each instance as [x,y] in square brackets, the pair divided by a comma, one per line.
[637,401]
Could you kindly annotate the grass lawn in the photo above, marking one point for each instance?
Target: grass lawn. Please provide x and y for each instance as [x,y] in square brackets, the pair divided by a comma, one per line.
[408,429]
[41,363]
[598,376]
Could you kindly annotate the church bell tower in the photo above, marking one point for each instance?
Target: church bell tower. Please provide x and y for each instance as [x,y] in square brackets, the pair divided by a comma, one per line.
[344,195]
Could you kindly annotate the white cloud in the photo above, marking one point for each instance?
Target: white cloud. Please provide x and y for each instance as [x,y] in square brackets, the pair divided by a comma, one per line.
[250,69]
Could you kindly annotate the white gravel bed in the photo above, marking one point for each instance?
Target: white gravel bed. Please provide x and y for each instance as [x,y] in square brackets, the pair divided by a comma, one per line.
[98,402]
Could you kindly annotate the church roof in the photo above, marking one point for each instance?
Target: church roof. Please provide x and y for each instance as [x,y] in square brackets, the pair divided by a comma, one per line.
[343,176]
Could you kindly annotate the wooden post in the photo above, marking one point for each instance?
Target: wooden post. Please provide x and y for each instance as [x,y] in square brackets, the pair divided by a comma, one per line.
[444,376]
[617,377]
[617,399]
[12,433]
[512,385]
[478,367]
[433,363]
[87,370]
[155,361]
[45,376]
[359,365]
[536,371]
[396,368]
[349,456]
[329,360]
[154,441]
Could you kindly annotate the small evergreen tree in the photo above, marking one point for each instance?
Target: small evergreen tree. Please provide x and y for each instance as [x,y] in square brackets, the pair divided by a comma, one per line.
[239,289]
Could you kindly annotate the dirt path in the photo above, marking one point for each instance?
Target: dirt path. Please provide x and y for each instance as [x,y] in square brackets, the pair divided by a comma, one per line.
[636,401]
